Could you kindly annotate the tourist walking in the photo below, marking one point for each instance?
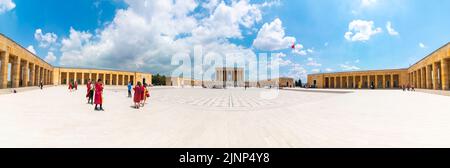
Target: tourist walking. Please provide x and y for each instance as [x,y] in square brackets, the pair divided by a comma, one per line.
[142,94]
[88,89]
[129,89]
[75,85]
[91,94]
[98,100]
[41,84]
[146,95]
[412,88]
[70,86]
[137,95]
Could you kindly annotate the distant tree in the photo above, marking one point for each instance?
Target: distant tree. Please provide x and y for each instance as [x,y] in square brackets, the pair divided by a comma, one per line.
[163,80]
[158,80]
[300,83]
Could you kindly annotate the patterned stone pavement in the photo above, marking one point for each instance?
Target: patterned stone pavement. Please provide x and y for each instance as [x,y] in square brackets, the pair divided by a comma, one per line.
[194,117]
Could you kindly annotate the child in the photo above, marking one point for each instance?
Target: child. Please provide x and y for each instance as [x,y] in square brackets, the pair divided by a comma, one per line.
[99,95]
[88,89]
[91,93]
[137,95]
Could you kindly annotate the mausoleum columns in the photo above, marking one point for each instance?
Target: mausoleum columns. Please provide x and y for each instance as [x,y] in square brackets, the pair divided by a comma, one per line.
[445,74]
[4,58]
[15,72]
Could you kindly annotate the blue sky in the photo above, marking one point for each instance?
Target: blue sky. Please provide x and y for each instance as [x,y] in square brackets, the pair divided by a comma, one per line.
[142,35]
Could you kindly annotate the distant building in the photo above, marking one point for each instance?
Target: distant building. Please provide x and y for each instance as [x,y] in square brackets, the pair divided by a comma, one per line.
[27,69]
[432,72]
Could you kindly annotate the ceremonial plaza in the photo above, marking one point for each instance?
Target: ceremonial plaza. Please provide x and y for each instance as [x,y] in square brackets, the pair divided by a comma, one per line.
[339,113]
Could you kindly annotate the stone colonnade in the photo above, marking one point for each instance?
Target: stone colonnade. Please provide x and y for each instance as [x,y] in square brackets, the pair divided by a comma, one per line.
[20,68]
[362,81]
[431,75]
[109,77]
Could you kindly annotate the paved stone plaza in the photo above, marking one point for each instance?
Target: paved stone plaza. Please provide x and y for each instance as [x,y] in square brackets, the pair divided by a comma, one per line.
[194,117]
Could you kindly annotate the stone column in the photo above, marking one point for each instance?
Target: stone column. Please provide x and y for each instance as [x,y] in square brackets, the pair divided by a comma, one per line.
[117,79]
[376,81]
[417,79]
[354,82]
[384,81]
[428,80]
[82,78]
[110,79]
[26,76]
[32,75]
[4,56]
[15,72]
[37,74]
[424,78]
[392,81]
[435,77]
[348,82]
[444,74]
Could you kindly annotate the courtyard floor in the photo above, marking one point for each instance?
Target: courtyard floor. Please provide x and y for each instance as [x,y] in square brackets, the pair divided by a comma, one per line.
[194,117]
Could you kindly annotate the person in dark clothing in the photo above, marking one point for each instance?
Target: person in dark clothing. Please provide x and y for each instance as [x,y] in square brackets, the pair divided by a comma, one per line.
[41,85]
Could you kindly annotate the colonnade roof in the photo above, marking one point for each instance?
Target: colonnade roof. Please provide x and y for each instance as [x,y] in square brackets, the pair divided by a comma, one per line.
[362,71]
[369,71]
[87,68]
[1,34]
[429,55]
[102,69]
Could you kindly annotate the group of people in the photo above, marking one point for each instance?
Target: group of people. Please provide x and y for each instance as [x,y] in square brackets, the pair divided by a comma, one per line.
[73,85]
[141,94]
[94,93]
[408,88]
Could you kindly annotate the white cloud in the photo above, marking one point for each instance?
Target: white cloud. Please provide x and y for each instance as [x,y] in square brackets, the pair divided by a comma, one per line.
[45,40]
[279,61]
[6,5]
[391,30]
[329,70]
[31,49]
[421,45]
[366,3]
[51,58]
[361,30]
[315,70]
[272,37]
[357,61]
[147,34]
[347,67]
[312,62]
[297,72]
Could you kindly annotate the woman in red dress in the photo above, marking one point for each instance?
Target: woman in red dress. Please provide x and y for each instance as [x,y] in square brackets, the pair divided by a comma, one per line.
[70,86]
[98,100]
[137,95]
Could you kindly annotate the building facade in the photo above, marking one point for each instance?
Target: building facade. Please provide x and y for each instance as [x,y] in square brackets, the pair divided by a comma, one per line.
[21,68]
[432,72]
